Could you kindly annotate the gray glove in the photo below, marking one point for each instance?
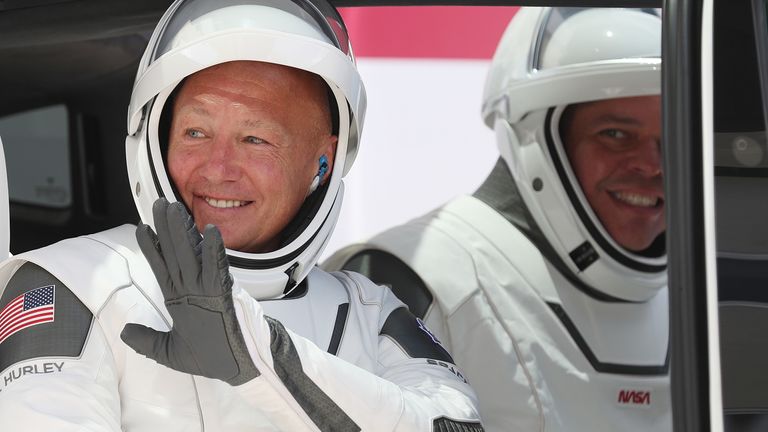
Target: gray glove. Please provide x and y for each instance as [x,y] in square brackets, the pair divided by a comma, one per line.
[193,273]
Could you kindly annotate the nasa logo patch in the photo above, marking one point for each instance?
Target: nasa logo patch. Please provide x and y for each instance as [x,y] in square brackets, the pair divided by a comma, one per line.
[634,398]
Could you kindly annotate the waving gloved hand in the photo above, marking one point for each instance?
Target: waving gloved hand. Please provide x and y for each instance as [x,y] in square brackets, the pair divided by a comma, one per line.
[193,273]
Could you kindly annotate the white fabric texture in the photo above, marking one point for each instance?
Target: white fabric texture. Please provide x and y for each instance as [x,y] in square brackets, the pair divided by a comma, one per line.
[492,293]
[110,387]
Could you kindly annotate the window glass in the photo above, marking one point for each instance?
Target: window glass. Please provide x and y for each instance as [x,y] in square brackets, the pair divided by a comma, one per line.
[741,210]
[741,72]
[37,156]
[760,17]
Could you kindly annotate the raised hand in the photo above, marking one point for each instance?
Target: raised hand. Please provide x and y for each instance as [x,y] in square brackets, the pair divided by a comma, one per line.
[193,273]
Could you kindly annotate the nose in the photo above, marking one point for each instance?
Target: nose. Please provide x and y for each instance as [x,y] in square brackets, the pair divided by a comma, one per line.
[220,161]
[646,157]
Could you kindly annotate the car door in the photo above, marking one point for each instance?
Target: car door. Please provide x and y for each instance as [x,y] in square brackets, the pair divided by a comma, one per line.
[715,118]
[76,58]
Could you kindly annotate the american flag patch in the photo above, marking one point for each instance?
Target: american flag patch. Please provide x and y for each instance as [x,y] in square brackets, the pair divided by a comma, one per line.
[31,308]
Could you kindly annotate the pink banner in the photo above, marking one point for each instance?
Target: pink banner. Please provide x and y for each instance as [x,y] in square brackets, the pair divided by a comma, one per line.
[455,32]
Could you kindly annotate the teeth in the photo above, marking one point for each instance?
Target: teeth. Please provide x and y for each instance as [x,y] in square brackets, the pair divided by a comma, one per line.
[636,199]
[224,203]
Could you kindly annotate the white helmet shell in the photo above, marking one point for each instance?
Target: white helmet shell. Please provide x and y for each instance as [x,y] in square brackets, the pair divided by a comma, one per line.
[549,58]
[196,34]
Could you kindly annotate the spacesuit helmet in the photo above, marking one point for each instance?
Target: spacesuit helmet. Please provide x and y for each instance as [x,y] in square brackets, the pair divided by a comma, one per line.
[196,34]
[547,60]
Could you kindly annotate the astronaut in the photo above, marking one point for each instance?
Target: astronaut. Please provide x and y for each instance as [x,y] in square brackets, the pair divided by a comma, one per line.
[244,117]
[548,284]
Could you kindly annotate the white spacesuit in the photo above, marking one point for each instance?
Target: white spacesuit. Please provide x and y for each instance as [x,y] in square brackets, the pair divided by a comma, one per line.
[556,326]
[317,351]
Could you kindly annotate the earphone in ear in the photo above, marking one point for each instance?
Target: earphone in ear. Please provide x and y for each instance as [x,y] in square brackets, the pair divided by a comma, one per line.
[320,174]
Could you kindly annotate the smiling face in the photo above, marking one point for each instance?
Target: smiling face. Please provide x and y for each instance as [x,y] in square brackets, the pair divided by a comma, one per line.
[244,146]
[614,149]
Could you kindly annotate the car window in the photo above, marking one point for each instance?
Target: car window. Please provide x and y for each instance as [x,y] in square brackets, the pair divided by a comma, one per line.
[37,155]
[741,182]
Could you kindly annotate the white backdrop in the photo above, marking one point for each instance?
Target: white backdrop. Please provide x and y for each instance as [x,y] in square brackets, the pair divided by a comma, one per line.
[422,144]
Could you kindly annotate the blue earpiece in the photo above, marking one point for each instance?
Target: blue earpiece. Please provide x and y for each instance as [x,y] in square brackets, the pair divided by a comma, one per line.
[320,174]
[323,166]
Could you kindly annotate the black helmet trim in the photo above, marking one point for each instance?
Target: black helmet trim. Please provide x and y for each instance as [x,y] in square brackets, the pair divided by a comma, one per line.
[152,169]
[588,222]
[262,264]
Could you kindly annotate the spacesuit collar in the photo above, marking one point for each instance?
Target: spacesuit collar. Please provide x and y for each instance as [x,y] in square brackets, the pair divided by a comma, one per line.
[499,191]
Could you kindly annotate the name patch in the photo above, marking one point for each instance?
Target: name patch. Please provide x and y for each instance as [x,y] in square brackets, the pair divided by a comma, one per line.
[20,372]
[451,368]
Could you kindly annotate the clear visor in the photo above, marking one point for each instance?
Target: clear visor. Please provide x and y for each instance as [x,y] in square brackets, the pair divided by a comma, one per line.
[570,35]
[193,19]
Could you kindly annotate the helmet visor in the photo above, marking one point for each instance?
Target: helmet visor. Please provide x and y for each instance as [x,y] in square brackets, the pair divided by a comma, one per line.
[192,19]
[570,35]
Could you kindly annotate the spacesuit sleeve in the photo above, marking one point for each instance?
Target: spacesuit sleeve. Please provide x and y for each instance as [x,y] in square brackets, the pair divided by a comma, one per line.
[416,388]
[57,372]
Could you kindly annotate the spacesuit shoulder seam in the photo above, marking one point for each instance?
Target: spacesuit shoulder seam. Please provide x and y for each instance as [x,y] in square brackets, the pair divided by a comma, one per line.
[62,258]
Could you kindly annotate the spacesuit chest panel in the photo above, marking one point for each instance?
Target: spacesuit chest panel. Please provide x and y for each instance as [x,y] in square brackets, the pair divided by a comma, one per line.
[613,355]
[319,314]
[515,276]
[501,318]
[617,337]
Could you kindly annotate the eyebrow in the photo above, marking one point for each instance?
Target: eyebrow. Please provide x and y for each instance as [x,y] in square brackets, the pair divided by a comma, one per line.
[199,110]
[613,118]
[271,126]
[248,123]
[196,109]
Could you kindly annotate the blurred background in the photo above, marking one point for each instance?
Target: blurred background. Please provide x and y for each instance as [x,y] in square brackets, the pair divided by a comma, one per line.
[423,141]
